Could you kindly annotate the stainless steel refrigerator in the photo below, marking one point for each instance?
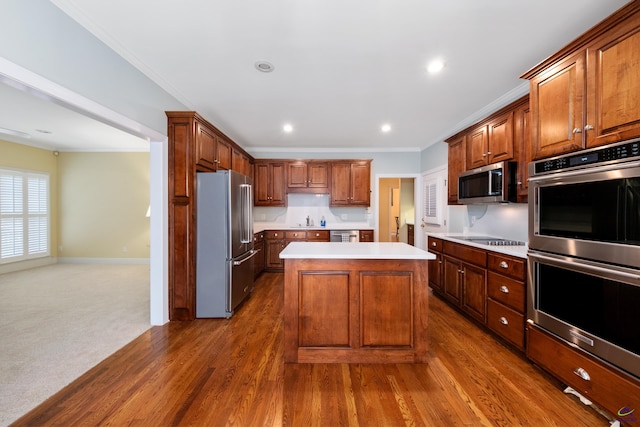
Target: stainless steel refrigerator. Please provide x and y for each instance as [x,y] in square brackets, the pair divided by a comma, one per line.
[224,256]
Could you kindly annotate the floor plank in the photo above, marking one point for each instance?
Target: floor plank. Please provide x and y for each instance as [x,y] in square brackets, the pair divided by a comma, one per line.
[229,372]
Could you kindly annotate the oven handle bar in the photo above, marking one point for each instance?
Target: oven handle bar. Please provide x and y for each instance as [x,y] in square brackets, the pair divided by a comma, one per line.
[607,272]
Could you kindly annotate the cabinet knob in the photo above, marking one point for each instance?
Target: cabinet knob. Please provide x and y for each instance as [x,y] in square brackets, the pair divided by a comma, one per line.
[588,127]
[317,234]
[577,130]
[295,234]
[582,374]
[504,264]
[488,153]
[484,154]
[275,234]
[503,320]
[433,244]
[504,289]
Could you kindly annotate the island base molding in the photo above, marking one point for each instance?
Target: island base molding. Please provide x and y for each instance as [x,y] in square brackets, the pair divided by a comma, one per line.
[355,311]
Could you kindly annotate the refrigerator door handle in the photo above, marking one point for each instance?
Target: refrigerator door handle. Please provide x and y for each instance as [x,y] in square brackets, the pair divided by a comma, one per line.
[252,253]
[247,213]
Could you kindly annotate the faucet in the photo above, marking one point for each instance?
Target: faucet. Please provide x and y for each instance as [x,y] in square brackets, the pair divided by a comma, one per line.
[308,221]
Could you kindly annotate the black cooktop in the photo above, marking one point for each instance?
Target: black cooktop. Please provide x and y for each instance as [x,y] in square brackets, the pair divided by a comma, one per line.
[491,241]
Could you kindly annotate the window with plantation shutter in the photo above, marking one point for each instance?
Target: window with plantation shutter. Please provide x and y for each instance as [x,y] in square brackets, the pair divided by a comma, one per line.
[24,215]
[432,206]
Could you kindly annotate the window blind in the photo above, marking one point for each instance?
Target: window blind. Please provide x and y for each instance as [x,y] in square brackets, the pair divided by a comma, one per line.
[24,215]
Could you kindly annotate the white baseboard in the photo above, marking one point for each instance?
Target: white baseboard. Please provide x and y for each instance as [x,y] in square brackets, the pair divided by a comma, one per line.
[82,260]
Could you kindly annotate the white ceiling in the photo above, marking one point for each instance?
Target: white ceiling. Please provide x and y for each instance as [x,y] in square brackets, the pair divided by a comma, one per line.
[342,67]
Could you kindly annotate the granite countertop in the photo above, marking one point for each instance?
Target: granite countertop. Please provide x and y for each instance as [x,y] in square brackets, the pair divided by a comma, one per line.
[359,250]
[517,251]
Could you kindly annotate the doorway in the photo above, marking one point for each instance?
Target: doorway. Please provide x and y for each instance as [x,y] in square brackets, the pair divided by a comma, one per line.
[396,201]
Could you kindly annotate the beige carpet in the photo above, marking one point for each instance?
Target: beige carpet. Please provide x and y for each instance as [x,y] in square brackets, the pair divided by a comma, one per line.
[57,322]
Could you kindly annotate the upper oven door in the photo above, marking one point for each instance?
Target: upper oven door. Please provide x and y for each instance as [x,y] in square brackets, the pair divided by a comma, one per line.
[591,213]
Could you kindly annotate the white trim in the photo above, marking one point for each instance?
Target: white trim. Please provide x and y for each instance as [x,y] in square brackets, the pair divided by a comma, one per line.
[83,260]
[28,81]
[417,186]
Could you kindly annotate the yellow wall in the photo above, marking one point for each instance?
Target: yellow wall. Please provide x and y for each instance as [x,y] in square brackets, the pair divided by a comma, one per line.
[98,201]
[102,205]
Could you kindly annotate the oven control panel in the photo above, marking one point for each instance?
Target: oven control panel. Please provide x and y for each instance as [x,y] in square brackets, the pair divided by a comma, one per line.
[609,153]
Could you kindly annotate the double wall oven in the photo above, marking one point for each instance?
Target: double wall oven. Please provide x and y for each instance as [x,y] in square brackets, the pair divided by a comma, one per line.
[584,250]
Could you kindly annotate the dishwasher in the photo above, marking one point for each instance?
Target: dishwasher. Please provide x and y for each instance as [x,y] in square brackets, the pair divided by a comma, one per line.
[345,236]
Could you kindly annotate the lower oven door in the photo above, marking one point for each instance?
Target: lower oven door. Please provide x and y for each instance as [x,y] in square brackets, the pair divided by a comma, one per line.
[592,305]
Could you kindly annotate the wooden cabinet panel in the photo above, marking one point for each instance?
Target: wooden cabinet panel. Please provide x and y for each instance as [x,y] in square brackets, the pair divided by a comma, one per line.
[506,322]
[206,145]
[507,291]
[434,245]
[223,154]
[269,183]
[452,285]
[308,176]
[324,309]
[259,259]
[606,387]
[500,138]
[613,85]
[507,265]
[241,163]
[465,253]
[318,236]
[386,310]
[477,145]
[181,256]
[366,235]
[350,183]
[295,235]
[557,108]
[457,165]
[522,143]
[474,291]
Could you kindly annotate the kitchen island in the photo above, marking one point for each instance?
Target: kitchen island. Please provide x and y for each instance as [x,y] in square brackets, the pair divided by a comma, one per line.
[355,303]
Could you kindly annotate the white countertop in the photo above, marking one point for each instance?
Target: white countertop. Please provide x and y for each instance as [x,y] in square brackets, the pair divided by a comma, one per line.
[517,251]
[353,250]
[261,226]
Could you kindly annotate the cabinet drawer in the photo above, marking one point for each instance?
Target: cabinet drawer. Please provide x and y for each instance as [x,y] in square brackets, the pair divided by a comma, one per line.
[605,386]
[296,235]
[258,237]
[508,291]
[504,264]
[506,322]
[465,253]
[318,235]
[434,245]
[274,234]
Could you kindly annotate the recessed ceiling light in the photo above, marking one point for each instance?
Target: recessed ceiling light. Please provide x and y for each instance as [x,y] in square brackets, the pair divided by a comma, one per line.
[43,131]
[264,66]
[435,66]
[287,128]
[386,128]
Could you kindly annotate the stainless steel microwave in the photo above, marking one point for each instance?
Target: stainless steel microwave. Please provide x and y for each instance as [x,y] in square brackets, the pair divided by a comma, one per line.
[495,183]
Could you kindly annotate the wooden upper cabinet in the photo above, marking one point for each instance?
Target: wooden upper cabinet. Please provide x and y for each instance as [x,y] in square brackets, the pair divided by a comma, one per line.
[206,147]
[350,183]
[223,154]
[240,162]
[587,94]
[613,85]
[491,143]
[557,108]
[457,162]
[522,146]
[308,176]
[477,147]
[269,183]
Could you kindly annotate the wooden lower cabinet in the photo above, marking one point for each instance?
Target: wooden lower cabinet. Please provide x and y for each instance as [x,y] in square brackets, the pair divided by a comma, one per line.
[366,235]
[355,311]
[464,278]
[260,259]
[607,387]
[434,246]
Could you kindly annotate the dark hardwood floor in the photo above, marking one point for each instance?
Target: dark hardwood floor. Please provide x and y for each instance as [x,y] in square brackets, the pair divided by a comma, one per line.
[217,372]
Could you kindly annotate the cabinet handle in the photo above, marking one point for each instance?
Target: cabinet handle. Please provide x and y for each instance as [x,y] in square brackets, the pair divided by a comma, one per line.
[484,154]
[503,320]
[295,234]
[588,127]
[504,289]
[504,264]
[582,374]
[488,153]
[433,244]
[461,271]
[577,130]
